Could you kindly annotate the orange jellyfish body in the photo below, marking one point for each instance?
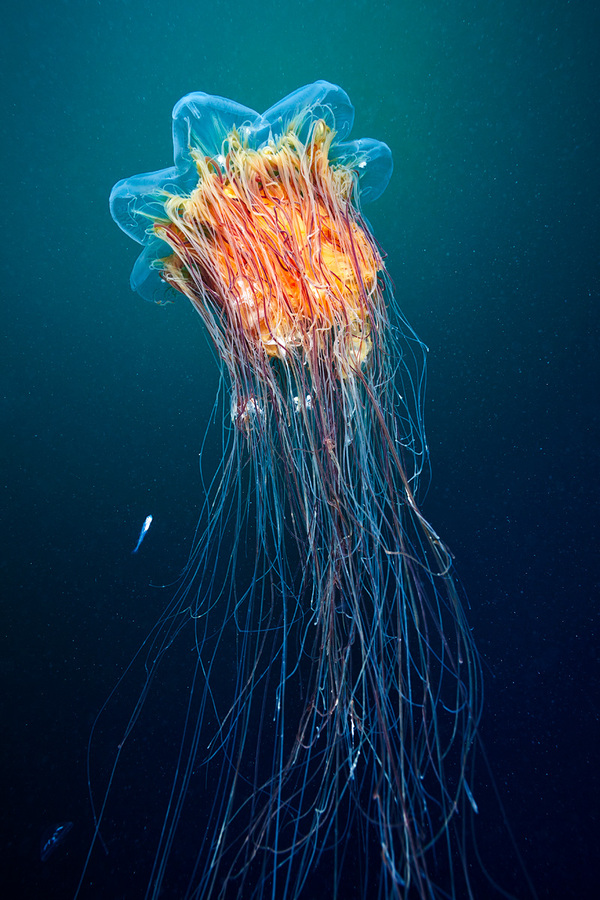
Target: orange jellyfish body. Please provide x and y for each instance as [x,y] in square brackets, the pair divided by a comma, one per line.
[272,237]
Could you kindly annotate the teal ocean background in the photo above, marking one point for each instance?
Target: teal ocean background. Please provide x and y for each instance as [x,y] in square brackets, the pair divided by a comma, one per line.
[490,225]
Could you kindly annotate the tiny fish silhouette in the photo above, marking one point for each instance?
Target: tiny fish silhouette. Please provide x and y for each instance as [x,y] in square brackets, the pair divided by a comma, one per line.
[53,838]
[145,527]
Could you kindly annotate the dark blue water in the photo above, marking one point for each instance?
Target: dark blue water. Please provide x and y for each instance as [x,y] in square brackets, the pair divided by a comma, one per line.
[490,226]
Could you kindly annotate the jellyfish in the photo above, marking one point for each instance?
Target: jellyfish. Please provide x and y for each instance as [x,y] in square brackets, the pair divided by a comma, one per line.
[329,724]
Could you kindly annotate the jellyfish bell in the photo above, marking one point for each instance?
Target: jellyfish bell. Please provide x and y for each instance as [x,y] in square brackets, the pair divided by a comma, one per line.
[348,707]
[270,240]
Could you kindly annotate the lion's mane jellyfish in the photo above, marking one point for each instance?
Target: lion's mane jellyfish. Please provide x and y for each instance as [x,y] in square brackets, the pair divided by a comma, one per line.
[333,700]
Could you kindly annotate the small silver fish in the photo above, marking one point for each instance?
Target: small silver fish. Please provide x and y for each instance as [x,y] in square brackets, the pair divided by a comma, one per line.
[145,527]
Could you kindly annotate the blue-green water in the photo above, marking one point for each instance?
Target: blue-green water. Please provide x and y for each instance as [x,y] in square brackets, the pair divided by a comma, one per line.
[490,226]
